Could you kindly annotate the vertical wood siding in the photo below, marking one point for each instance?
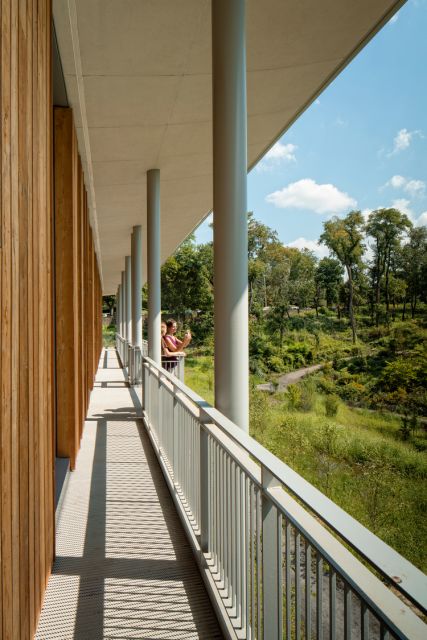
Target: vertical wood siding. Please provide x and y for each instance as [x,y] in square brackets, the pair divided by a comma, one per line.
[34,254]
[26,366]
[78,290]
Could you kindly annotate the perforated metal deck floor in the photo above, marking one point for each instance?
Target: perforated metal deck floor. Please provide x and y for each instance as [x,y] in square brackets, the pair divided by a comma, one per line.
[124,568]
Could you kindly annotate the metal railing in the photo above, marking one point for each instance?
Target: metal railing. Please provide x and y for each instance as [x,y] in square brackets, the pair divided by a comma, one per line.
[131,358]
[122,349]
[273,567]
[175,365]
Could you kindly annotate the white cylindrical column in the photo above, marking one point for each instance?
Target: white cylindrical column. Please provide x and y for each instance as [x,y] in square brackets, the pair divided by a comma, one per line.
[153,255]
[128,276]
[123,306]
[230,210]
[136,287]
[118,310]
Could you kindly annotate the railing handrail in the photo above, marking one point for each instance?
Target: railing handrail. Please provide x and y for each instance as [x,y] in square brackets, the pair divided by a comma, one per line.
[392,565]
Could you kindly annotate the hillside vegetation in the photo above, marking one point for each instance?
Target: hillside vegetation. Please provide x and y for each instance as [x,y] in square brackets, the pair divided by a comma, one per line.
[356,429]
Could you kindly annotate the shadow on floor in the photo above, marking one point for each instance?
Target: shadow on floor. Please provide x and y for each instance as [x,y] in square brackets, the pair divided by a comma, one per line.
[135,576]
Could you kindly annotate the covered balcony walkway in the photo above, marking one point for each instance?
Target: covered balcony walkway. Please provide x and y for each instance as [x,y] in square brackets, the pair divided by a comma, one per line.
[123,567]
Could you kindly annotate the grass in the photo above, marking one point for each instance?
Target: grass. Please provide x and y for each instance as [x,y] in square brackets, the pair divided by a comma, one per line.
[356,457]
[108,335]
[199,375]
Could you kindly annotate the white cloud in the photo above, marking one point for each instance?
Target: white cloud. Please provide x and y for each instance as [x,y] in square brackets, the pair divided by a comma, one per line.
[278,153]
[281,151]
[312,245]
[402,204]
[307,194]
[421,221]
[317,101]
[394,18]
[413,187]
[397,181]
[366,213]
[403,139]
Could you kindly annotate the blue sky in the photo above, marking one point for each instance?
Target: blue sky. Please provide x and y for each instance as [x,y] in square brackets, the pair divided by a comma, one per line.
[361,145]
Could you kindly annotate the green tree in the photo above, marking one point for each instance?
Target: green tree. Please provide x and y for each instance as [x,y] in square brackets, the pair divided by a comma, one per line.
[278,260]
[343,237]
[386,227]
[301,277]
[261,240]
[414,267]
[328,276]
[186,280]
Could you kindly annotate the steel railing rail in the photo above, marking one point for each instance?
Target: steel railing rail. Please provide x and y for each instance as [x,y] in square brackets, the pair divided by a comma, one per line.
[276,569]
[131,358]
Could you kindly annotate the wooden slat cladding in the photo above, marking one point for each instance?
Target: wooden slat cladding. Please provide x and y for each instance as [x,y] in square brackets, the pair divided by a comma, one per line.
[30,320]
[77,286]
[26,367]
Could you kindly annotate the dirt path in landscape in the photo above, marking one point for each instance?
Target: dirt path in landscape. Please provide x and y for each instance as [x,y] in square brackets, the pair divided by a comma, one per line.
[289,378]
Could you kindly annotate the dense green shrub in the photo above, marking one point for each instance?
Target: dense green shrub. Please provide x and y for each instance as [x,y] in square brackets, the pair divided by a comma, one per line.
[308,396]
[293,396]
[331,405]
[275,363]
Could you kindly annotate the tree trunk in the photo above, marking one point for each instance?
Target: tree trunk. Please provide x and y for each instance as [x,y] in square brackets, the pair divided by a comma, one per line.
[378,288]
[404,308]
[387,294]
[350,304]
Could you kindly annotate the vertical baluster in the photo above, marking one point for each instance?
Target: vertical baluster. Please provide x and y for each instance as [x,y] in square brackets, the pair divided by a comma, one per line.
[233,535]
[193,469]
[332,602]
[242,547]
[288,588]
[297,584]
[347,612]
[253,545]
[238,545]
[319,597]
[190,466]
[280,572]
[228,512]
[247,554]
[227,526]
[384,633]
[271,571]
[259,563]
[307,590]
[210,501]
[220,503]
[198,497]
[364,621]
[222,518]
[218,519]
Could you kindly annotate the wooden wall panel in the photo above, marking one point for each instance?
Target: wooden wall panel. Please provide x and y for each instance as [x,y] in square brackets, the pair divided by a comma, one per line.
[77,287]
[67,363]
[50,309]
[26,374]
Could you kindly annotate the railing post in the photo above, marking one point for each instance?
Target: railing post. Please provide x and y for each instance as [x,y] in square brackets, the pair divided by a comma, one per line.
[145,383]
[175,436]
[271,561]
[204,490]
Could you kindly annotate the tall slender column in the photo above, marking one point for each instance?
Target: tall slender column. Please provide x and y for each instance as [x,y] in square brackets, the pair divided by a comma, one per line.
[153,242]
[230,210]
[123,306]
[136,287]
[128,302]
[118,309]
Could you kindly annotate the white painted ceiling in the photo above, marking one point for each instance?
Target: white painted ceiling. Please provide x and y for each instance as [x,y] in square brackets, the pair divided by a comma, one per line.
[138,77]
